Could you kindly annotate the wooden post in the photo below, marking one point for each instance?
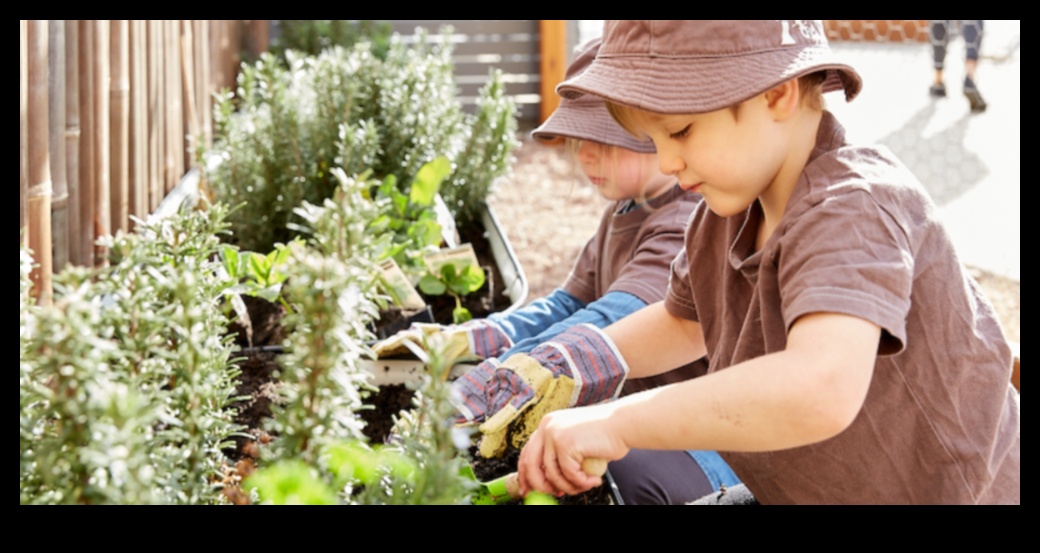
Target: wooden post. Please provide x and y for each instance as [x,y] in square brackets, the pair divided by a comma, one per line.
[23,139]
[156,113]
[553,62]
[72,133]
[87,171]
[140,204]
[259,38]
[174,161]
[56,142]
[38,198]
[191,116]
[119,124]
[102,166]
[204,92]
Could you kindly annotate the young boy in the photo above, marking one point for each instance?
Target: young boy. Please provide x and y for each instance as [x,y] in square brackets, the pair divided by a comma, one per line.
[852,359]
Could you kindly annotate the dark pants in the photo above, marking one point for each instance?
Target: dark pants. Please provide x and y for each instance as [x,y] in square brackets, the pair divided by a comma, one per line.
[940,34]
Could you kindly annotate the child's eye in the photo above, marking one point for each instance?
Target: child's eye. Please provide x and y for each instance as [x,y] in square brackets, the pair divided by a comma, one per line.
[681,134]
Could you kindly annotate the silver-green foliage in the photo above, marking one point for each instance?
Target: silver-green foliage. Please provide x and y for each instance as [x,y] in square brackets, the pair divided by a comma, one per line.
[320,455]
[127,379]
[278,137]
[489,141]
[332,287]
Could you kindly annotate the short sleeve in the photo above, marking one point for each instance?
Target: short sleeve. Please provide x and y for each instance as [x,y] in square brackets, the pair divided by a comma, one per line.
[679,300]
[849,255]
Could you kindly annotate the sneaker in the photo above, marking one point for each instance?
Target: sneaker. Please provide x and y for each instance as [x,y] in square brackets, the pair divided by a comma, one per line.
[978,105]
[937,90]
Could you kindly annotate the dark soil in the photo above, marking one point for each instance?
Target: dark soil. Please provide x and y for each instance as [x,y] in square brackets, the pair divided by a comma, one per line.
[262,341]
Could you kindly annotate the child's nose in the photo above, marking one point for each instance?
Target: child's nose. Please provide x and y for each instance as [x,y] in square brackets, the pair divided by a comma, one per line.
[670,164]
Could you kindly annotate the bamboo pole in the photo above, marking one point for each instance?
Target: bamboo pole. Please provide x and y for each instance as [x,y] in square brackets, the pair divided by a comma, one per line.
[140,204]
[87,172]
[23,140]
[202,80]
[56,142]
[553,62]
[38,199]
[119,123]
[102,166]
[175,124]
[156,128]
[72,133]
[191,116]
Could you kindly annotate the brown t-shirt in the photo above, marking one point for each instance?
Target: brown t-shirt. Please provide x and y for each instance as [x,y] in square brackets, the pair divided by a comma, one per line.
[632,252]
[941,423]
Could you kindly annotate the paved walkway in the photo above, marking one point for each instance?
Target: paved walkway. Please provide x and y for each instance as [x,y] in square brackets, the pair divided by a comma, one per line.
[971,163]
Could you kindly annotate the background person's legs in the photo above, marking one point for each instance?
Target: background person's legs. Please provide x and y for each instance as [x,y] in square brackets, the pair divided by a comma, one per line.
[972,30]
[940,36]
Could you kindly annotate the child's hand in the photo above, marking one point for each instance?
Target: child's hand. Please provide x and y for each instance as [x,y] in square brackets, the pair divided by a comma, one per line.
[552,461]
[577,367]
[475,340]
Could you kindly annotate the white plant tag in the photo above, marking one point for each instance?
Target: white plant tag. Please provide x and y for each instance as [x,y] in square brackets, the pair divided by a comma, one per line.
[449,233]
[461,257]
[400,288]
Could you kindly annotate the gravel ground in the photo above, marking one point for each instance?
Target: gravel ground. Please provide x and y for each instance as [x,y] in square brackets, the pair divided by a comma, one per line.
[547,216]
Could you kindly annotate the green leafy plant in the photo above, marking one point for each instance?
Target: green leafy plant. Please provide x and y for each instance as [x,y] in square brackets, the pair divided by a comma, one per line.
[288,124]
[315,35]
[411,217]
[126,386]
[457,282]
[490,138]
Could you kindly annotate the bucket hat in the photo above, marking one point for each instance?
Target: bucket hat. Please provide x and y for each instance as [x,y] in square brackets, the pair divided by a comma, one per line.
[587,118]
[696,66]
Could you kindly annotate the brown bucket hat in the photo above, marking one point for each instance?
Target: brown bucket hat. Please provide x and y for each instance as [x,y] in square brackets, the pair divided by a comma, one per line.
[701,65]
[587,118]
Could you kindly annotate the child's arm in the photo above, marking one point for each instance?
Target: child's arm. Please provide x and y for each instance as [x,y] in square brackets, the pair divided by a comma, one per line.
[533,318]
[601,313]
[807,393]
[653,341]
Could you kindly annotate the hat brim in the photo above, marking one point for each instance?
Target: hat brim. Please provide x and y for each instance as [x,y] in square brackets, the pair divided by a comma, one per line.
[704,84]
[589,120]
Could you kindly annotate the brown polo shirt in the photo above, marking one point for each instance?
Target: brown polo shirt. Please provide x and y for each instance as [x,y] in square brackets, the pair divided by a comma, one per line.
[860,237]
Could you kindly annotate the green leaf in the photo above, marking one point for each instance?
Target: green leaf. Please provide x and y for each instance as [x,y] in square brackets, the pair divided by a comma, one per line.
[428,181]
[461,315]
[230,257]
[470,280]
[290,483]
[432,285]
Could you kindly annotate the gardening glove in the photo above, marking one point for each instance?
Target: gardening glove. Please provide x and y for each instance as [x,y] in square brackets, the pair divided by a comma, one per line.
[578,367]
[474,340]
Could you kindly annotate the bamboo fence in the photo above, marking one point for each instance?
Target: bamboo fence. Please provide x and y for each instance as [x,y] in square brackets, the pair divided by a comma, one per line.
[111,113]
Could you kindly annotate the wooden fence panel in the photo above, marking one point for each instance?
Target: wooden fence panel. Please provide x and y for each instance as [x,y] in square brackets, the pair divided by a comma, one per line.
[512,46]
[38,197]
[56,141]
[23,141]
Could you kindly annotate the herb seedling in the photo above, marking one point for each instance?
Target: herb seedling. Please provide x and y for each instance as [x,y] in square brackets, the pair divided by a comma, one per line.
[458,282]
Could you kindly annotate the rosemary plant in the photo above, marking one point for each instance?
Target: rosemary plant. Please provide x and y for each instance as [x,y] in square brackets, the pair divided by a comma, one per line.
[129,382]
[290,123]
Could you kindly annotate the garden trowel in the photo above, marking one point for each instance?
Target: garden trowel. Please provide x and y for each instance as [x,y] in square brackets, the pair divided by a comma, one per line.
[506,488]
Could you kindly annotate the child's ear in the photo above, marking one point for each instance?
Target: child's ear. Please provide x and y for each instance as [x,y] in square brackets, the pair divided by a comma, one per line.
[783,99]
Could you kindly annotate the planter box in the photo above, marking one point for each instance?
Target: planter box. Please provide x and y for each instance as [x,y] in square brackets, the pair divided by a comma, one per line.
[387,372]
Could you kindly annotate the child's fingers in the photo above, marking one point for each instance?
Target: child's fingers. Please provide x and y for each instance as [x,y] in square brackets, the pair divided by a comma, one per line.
[531,477]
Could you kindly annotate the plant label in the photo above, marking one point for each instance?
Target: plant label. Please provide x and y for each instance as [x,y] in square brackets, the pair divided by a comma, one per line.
[399,287]
[461,257]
